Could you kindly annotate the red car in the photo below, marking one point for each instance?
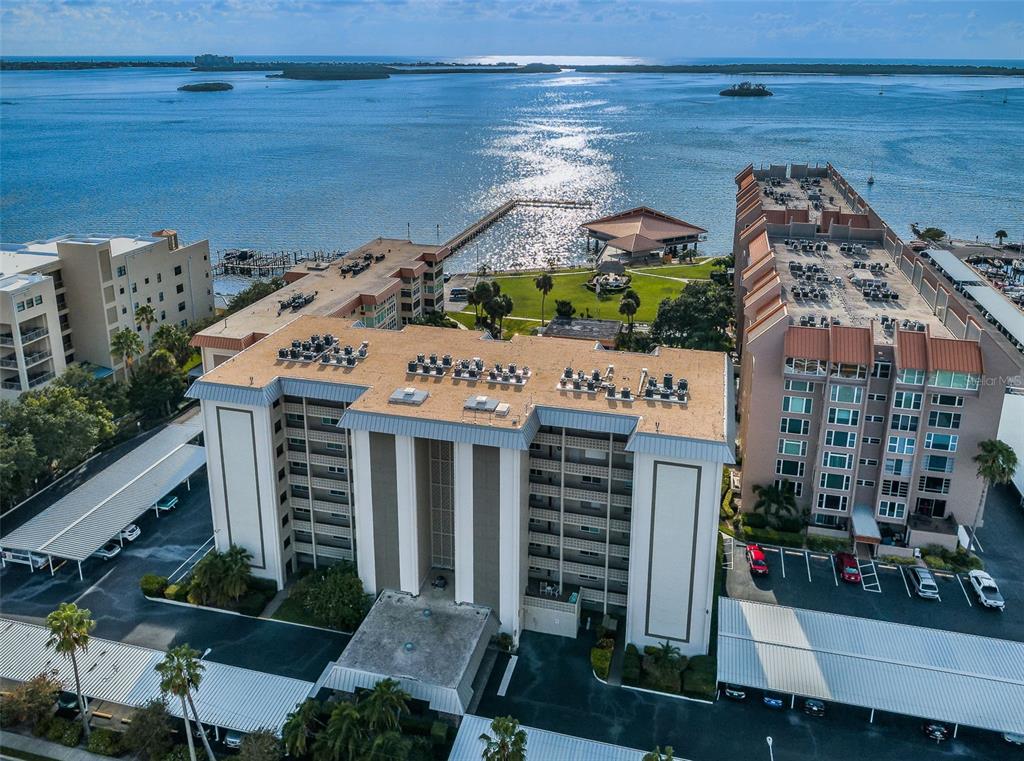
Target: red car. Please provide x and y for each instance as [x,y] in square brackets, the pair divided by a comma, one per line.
[847,566]
[756,561]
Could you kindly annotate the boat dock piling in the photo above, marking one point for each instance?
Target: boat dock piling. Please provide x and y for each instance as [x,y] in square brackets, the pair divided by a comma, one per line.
[250,263]
[464,237]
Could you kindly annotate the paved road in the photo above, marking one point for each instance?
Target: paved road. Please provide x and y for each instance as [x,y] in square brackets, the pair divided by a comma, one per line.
[810,583]
[553,688]
[111,591]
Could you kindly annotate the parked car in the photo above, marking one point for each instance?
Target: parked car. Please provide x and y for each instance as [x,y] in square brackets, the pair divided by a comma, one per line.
[986,589]
[67,704]
[1013,738]
[774,700]
[924,583]
[131,532]
[733,692]
[935,730]
[848,569]
[37,562]
[814,707]
[168,502]
[109,550]
[233,739]
[756,560]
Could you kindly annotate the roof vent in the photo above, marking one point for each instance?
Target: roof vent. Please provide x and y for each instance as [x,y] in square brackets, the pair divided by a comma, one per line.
[408,395]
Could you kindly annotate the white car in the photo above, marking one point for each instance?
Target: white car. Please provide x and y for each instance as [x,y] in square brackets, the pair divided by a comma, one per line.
[1013,738]
[109,550]
[131,532]
[986,589]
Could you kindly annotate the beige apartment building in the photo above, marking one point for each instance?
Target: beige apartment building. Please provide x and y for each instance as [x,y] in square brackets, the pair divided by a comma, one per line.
[865,386]
[63,299]
[539,476]
[385,283]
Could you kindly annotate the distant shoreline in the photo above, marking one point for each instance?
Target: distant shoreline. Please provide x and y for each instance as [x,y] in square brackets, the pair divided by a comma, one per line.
[382,71]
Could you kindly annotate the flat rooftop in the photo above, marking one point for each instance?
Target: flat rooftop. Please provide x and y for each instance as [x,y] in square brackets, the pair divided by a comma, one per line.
[18,281]
[338,294]
[24,257]
[583,328]
[386,370]
[790,193]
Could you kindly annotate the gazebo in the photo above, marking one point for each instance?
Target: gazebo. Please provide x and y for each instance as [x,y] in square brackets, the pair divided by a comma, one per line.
[642,230]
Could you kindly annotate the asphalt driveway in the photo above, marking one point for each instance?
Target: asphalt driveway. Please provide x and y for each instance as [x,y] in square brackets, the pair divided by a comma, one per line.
[111,591]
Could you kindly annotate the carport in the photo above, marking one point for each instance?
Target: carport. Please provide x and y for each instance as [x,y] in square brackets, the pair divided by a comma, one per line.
[914,671]
[228,697]
[80,523]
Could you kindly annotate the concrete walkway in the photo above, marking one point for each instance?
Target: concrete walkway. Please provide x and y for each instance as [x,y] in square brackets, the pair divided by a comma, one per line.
[46,749]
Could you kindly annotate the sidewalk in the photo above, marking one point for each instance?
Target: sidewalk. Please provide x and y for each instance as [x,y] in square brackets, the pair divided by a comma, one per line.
[45,748]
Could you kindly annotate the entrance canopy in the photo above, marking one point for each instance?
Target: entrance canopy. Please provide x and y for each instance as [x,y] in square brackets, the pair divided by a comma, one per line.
[865,527]
[79,523]
[909,670]
[228,696]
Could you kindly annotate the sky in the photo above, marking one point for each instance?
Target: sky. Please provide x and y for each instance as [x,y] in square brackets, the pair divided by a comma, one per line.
[653,30]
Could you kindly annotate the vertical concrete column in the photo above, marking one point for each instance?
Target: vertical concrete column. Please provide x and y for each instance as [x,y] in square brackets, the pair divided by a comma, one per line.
[510,539]
[408,533]
[362,510]
[463,467]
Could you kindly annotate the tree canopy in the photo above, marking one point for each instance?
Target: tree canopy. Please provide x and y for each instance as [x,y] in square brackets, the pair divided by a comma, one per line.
[698,318]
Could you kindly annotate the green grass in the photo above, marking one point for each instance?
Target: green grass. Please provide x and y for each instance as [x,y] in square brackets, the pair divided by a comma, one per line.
[291,610]
[512,325]
[700,271]
[193,361]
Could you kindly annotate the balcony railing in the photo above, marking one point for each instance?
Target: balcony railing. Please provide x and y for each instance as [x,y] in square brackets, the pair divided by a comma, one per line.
[6,339]
[40,379]
[11,385]
[9,362]
[36,357]
[34,335]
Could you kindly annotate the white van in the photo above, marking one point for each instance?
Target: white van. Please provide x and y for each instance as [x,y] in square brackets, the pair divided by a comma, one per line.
[36,562]
[458,293]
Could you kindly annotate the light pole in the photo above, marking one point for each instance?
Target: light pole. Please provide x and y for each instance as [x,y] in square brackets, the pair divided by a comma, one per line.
[771,753]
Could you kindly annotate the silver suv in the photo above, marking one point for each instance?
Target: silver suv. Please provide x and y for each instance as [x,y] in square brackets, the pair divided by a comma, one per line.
[924,583]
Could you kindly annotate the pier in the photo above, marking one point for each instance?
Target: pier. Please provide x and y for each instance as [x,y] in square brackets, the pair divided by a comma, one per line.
[250,263]
[461,239]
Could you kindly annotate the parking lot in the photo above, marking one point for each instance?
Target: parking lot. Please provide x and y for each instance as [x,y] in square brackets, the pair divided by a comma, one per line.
[804,579]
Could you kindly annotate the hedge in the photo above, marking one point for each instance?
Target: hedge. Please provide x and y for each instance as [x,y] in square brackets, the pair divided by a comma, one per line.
[727,511]
[631,665]
[958,561]
[700,678]
[771,536]
[438,733]
[153,585]
[827,544]
[177,592]
[105,741]
[601,660]
[63,731]
[755,520]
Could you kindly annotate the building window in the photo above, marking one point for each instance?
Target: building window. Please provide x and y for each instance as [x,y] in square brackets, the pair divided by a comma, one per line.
[906,400]
[948,379]
[160,296]
[936,508]
[901,445]
[796,404]
[39,300]
[277,426]
[794,425]
[177,270]
[159,277]
[904,422]
[872,440]
[179,288]
[329,420]
[284,519]
[896,467]
[824,519]
[938,419]
[889,509]
[836,460]
[280,450]
[789,468]
[292,441]
[806,366]
[936,463]
[334,446]
[20,307]
[865,482]
[794,486]
[869,461]
[881,370]
[287,542]
[910,376]
[843,416]
[892,488]
[878,397]
[181,306]
[283,497]
[122,271]
[832,502]
[874,419]
[841,438]
[947,400]
[806,387]
[933,485]
[845,394]
[834,481]
[280,474]
[843,370]
[942,441]
[790,447]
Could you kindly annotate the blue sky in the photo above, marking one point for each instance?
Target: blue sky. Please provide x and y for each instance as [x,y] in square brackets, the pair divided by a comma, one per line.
[652,29]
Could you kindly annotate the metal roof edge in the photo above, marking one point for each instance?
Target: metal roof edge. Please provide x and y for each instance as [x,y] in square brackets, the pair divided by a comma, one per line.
[458,432]
[681,448]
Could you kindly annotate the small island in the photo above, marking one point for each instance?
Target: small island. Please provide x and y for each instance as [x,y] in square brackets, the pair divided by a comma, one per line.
[747,90]
[207,87]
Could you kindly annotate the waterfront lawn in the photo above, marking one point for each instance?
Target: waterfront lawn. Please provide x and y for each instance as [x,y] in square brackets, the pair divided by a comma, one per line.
[699,271]
[512,325]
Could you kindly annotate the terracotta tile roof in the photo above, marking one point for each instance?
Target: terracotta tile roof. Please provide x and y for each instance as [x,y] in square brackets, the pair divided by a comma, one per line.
[635,244]
[852,346]
[807,343]
[644,221]
[955,354]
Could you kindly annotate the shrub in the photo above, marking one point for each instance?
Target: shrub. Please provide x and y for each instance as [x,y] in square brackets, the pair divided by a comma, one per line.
[958,561]
[700,677]
[607,643]
[727,512]
[789,524]
[42,726]
[105,741]
[631,668]
[178,753]
[252,603]
[936,563]
[771,536]
[31,702]
[67,733]
[149,734]
[650,649]
[177,592]
[755,520]
[438,733]
[827,544]
[504,641]
[153,585]
[334,597]
[601,660]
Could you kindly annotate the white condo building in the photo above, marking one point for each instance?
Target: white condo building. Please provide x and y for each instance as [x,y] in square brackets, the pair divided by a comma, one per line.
[63,299]
[539,475]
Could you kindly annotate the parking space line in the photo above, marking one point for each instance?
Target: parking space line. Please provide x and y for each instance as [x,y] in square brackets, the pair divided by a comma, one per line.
[782,557]
[904,577]
[807,558]
[100,581]
[832,563]
[964,589]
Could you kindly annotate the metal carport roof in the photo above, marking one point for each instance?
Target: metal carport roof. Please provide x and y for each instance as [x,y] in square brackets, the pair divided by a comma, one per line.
[910,670]
[228,696]
[81,522]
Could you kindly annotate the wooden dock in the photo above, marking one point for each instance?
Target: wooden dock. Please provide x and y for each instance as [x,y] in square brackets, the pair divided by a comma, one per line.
[461,239]
[257,265]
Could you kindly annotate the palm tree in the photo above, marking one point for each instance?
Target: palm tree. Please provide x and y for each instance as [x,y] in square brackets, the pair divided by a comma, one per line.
[69,633]
[125,345]
[237,572]
[384,705]
[508,742]
[482,293]
[145,316]
[666,654]
[300,727]
[388,746]
[181,671]
[627,307]
[997,462]
[658,754]
[1001,236]
[545,284]
[345,735]
[175,339]
[775,501]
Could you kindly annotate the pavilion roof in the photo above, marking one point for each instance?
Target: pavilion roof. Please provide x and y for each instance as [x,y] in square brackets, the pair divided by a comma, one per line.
[642,222]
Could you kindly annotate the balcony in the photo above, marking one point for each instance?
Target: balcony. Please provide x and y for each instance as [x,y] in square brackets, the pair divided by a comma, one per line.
[36,357]
[11,385]
[35,334]
[6,339]
[10,361]
[38,380]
